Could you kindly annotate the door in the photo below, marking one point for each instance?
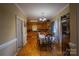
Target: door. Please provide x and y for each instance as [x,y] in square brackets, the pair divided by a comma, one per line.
[19,33]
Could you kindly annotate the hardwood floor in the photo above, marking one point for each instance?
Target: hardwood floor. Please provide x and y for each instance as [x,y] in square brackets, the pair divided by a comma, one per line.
[33,49]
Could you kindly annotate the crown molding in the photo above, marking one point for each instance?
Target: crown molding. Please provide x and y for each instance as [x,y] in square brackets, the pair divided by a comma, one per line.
[61,10]
[19,8]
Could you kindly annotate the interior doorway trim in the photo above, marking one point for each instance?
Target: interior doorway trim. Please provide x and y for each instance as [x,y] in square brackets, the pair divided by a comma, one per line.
[21,26]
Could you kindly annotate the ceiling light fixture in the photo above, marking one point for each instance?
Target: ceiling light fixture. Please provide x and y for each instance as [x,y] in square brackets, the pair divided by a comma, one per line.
[43,18]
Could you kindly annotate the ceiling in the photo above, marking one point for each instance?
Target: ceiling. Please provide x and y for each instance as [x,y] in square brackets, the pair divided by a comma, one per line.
[36,10]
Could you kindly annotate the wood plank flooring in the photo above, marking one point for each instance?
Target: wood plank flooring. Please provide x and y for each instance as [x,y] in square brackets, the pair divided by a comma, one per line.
[32,49]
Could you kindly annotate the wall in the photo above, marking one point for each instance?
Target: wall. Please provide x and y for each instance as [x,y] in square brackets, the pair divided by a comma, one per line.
[8,13]
[73,29]
[77,17]
[7,25]
[74,11]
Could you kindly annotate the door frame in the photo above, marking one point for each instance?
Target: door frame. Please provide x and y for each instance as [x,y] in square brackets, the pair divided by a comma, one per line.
[19,18]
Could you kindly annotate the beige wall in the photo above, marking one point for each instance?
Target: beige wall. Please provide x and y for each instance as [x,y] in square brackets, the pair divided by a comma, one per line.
[73,35]
[7,21]
[77,28]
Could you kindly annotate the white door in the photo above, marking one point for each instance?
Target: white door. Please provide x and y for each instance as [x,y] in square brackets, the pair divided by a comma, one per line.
[19,33]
